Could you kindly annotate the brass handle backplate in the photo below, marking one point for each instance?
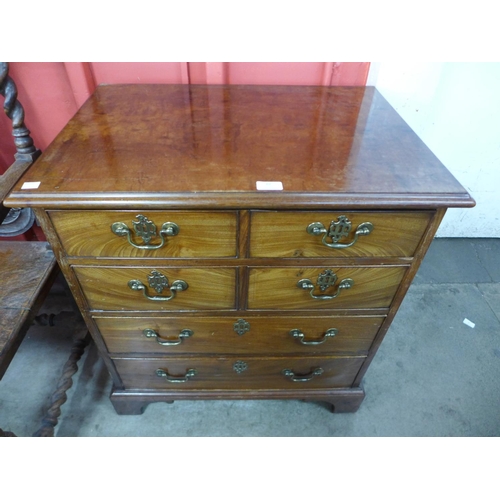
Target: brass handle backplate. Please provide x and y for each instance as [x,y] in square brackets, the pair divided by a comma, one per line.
[184,334]
[325,280]
[159,282]
[176,379]
[302,378]
[299,335]
[339,229]
[145,229]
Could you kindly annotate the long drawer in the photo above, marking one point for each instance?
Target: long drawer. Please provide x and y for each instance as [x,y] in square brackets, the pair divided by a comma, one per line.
[323,288]
[229,335]
[117,234]
[153,289]
[336,234]
[237,373]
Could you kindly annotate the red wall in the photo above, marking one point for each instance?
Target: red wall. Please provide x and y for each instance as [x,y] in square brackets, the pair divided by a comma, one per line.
[52,92]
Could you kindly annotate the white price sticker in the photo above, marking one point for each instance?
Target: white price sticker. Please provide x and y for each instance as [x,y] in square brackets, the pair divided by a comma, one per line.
[269,186]
[30,185]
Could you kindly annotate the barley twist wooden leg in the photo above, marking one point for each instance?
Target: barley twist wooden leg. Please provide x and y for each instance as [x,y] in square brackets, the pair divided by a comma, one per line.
[59,396]
[15,111]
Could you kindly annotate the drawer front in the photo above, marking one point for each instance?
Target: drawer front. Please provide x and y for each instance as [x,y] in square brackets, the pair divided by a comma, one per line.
[285,234]
[237,373]
[127,288]
[231,335]
[200,234]
[297,288]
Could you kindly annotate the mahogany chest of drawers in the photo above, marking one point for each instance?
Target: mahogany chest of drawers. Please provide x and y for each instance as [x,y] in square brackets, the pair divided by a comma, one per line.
[238,241]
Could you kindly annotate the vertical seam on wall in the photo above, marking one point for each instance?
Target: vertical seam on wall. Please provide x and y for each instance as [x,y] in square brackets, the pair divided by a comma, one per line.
[335,69]
[91,73]
[82,81]
[185,77]
[327,73]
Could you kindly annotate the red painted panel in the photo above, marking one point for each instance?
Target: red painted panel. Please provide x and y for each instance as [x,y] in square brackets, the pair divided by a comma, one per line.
[144,72]
[211,73]
[349,74]
[81,80]
[271,73]
[45,93]
[7,148]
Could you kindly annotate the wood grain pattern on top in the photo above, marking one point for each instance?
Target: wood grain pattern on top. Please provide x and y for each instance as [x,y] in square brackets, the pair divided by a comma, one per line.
[24,269]
[27,271]
[180,145]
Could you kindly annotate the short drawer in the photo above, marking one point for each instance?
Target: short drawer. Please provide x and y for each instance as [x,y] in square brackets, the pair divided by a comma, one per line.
[153,289]
[323,288]
[336,234]
[155,234]
[244,335]
[237,373]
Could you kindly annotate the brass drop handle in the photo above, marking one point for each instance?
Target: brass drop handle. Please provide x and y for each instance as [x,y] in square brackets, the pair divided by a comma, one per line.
[339,229]
[176,379]
[299,335]
[302,378]
[159,282]
[184,334]
[325,280]
[145,229]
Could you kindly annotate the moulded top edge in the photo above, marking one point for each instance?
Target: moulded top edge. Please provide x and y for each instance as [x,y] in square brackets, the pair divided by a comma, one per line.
[241,200]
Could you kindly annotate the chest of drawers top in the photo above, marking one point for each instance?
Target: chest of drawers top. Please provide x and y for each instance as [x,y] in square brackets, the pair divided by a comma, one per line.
[205,147]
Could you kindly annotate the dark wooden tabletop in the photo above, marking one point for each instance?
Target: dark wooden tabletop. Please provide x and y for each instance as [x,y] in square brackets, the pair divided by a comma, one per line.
[198,146]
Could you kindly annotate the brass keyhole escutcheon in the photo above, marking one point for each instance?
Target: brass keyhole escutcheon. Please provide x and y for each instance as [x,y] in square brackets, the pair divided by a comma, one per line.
[240,366]
[241,326]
